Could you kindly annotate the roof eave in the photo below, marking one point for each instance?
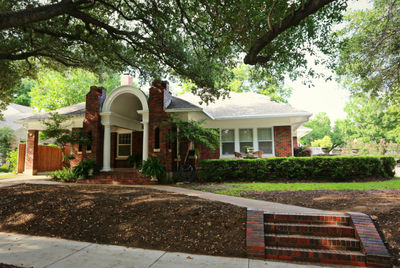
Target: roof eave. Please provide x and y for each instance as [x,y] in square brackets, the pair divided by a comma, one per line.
[263,116]
[183,110]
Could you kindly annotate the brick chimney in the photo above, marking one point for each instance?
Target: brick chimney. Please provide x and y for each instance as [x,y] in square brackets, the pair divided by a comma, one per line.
[126,80]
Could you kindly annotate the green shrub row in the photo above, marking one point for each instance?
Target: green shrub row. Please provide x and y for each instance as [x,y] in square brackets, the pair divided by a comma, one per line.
[295,168]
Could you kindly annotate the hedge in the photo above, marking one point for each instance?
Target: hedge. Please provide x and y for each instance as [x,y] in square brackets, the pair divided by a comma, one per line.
[315,167]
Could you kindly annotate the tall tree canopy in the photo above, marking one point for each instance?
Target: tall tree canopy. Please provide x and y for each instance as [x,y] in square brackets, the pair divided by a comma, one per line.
[368,59]
[245,79]
[370,120]
[53,90]
[196,40]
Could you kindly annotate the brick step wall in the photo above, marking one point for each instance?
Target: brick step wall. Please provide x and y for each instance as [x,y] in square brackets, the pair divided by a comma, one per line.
[119,177]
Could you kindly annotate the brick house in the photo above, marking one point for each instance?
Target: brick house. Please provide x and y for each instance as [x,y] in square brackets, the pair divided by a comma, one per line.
[127,122]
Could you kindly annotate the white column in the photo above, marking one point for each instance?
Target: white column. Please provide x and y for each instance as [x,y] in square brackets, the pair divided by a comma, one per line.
[107,148]
[237,141]
[145,140]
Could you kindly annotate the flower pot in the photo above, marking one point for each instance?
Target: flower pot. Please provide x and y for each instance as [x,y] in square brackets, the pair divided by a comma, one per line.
[250,150]
[90,172]
[154,178]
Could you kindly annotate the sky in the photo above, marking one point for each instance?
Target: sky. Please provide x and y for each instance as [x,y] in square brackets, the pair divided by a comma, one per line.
[324,96]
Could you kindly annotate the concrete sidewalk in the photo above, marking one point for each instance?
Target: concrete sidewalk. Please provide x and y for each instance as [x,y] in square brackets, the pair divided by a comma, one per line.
[243,202]
[35,251]
[15,180]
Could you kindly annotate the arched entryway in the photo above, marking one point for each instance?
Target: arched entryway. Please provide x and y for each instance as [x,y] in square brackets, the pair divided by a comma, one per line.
[126,109]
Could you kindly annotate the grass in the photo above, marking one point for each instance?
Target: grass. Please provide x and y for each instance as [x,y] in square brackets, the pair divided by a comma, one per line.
[237,188]
[8,175]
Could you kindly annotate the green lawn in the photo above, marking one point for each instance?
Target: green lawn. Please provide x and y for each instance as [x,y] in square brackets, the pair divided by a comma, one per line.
[237,188]
[8,175]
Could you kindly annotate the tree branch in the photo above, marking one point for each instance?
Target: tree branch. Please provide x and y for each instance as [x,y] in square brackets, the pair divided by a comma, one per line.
[26,16]
[310,7]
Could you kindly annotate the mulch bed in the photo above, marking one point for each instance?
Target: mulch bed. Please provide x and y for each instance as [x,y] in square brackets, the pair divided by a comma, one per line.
[126,216]
[383,207]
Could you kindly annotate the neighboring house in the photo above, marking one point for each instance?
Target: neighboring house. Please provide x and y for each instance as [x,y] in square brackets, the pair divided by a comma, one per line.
[12,114]
[128,122]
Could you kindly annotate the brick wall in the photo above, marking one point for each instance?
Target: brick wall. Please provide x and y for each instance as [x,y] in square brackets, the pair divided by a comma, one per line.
[206,153]
[92,122]
[31,161]
[157,116]
[294,142]
[283,141]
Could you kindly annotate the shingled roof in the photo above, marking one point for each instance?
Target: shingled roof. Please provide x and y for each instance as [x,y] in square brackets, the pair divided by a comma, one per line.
[244,105]
[73,110]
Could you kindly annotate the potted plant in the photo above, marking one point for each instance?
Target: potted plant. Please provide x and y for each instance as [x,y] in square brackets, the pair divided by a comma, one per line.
[135,160]
[153,168]
[249,149]
[86,168]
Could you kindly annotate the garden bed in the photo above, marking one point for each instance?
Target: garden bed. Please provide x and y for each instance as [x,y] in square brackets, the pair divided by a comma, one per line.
[126,216]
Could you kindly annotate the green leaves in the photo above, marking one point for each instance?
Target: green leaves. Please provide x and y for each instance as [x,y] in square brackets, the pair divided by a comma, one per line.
[193,132]
[6,138]
[295,168]
[368,60]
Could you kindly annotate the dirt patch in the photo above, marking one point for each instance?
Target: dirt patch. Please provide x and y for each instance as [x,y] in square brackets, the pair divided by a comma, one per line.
[127,216]
[382,206]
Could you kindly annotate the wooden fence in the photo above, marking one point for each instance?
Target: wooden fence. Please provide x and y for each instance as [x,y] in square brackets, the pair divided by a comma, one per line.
[49,158]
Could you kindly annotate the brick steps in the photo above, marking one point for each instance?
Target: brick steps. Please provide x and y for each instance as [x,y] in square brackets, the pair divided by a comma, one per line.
[354,258]
[328,239]
[307,219]
[315,242]
[309,229]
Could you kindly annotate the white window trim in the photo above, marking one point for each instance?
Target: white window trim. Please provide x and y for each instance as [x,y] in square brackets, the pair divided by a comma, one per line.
[118,157]
[252,129]
[220,144]
[272,140]
[255,141]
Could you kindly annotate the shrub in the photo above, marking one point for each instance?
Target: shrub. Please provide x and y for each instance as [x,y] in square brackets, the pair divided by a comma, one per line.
[302,151]
[4,170]
[64,174]
[84,167]
[153,167]
[325,142]
[135,160]
[295,168]
[13,159]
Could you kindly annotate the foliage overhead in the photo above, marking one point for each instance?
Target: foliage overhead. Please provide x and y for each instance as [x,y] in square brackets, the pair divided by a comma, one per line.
[21,92]
[54,89]
[246,79]
[369,48]
[200,41]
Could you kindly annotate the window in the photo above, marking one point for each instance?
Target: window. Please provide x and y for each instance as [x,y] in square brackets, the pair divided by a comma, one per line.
[124,144]
[228,141]
[264,136]
[90,138]
[245,139]
[157,138]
